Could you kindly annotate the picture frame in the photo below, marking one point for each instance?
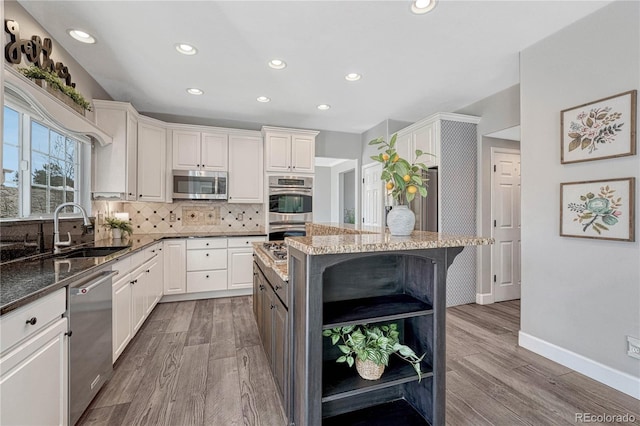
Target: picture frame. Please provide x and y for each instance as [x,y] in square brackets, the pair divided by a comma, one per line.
[599,209]
[601,129]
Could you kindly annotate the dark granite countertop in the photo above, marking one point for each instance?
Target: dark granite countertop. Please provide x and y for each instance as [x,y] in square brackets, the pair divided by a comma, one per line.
[23,281]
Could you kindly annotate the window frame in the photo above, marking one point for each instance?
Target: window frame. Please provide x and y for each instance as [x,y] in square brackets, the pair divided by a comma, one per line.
[82,182]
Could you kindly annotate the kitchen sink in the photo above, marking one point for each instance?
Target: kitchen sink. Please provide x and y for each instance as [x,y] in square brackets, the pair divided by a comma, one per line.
[93,252]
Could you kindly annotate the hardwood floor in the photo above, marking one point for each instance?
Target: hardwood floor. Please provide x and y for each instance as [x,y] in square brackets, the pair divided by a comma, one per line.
[201,363]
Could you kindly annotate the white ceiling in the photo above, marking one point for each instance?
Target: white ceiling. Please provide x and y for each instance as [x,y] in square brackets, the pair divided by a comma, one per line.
[412,65]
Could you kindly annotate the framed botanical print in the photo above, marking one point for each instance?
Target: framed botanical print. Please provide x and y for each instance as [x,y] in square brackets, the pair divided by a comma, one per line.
[605,128]
[601,209]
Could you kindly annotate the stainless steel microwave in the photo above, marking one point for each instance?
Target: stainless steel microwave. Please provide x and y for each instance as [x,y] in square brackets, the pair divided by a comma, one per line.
[199,185]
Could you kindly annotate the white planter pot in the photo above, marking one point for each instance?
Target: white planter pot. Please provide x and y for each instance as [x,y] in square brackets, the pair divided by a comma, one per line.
[116,233]
[401,220]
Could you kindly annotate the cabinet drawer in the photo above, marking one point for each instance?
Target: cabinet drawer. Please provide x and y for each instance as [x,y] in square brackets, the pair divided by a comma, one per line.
[206,243]
[14,326]
[152,251]
[244,241]
[206,260]
[123,266]
[206,281]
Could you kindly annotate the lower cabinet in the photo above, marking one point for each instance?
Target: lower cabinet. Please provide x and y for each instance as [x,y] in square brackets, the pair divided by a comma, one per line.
[175,266]
[34,375]
[239,261]
[272,317]
[206,264]
[136,291]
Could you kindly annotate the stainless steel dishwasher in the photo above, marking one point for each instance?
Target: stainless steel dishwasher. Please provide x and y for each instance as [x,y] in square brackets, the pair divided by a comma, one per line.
[90,348]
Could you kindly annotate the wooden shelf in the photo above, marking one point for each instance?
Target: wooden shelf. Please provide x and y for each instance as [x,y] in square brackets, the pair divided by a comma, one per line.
[341,381]
[373,309]
[396,413]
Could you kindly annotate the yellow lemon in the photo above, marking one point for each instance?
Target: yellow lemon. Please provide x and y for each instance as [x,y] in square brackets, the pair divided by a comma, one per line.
[389,186]
[385,157]
[406,178]
[411,189]
[396,158]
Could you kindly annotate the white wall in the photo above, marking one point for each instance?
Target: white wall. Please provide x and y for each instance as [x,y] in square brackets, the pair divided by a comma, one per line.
[580,297]
[322,195]
[337,192]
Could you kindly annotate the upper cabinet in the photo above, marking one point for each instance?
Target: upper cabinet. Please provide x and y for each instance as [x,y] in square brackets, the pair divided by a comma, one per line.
[194,150]
[152,147]
[115,165]
[246,171]
[424,136]
[289,150]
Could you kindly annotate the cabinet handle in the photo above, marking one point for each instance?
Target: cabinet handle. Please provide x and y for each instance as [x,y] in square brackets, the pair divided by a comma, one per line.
[273,307]
[261,287]
[207,255]
[278,287]
[159,249]
[148,271]
[206,276]
[32,321]
[207,244]
[69,333]
[153,251]
[140,195]
[130,193]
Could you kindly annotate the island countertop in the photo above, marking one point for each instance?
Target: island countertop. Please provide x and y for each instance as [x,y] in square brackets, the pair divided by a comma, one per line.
[376,242]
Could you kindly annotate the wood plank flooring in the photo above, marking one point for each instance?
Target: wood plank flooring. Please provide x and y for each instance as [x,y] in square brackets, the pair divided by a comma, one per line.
[202,363]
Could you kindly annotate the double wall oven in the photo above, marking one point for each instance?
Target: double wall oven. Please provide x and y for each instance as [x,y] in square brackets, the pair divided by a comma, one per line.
[290,205]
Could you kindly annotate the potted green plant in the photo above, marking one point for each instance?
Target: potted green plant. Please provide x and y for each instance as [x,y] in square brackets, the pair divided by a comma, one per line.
[369,348]
[56,85]
[404,182]
[117,226]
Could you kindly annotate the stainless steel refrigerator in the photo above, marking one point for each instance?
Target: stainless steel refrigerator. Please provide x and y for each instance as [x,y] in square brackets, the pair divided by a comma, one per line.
[426,209]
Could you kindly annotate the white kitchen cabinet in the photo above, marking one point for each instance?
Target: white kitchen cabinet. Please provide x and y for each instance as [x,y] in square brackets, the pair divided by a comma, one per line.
[206,264]
[240,262]
[115,164]
[121,314]
[175,266]
[151,162]
[138,297]
[155,277]
[193,150]
[289,150]
[423,136]
[34,375]
[246,169]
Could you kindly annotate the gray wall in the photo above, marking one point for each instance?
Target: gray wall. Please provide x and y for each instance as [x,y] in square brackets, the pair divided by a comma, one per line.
[322,195]
[85,84]
[349,194]
[582,295]
[498,111]
[338,145]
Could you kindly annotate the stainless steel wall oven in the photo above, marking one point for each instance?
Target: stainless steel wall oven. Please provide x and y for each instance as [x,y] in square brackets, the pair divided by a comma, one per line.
[290,205]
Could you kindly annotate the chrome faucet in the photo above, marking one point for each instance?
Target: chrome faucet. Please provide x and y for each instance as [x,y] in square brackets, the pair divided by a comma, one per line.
[56,226]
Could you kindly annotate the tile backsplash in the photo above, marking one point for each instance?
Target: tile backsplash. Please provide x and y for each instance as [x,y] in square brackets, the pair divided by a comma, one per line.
[190,216]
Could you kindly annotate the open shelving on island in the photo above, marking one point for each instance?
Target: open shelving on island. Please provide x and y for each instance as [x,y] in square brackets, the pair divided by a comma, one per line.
[397,413]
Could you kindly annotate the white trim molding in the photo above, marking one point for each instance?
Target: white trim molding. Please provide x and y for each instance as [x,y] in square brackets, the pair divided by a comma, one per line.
[484,298]
[616,379]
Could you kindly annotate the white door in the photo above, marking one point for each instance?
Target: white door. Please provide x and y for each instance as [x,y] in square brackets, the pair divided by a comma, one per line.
[372,195]
[505,207]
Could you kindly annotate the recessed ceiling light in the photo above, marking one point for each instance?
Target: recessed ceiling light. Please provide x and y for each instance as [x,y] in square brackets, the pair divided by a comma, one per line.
[186,49]
[263,99]
[194,91]
[323,107]
[353,76]
[422,6]
[277,64]
[82,36]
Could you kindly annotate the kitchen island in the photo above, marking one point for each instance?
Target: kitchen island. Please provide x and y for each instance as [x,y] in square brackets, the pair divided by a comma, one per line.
[364,278]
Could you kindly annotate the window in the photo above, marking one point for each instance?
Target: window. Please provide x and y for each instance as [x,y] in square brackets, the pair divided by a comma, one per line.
[41,166]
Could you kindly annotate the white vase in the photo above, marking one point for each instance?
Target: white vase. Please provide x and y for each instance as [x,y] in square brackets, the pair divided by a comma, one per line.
[401,220]
[116,233]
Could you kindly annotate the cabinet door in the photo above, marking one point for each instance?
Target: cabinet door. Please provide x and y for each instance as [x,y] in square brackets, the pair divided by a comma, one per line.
[280,348]
[246,167]
[257,295]
[153,282]
[206,281]
[303,152]
[239,261]
[138,298]
[121,315]
[278,156]
[151,162]
[110,166]
[267,321]
[405,147]
[132,158]
[425,140]
[186,150]
[175,266]
[34,379]
[213,152]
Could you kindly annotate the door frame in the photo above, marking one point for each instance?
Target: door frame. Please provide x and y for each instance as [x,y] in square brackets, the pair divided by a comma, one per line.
[490,298]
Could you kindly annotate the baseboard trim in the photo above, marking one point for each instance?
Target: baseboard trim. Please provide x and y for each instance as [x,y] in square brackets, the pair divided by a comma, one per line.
[484,298]
[616,379]
[206,295]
